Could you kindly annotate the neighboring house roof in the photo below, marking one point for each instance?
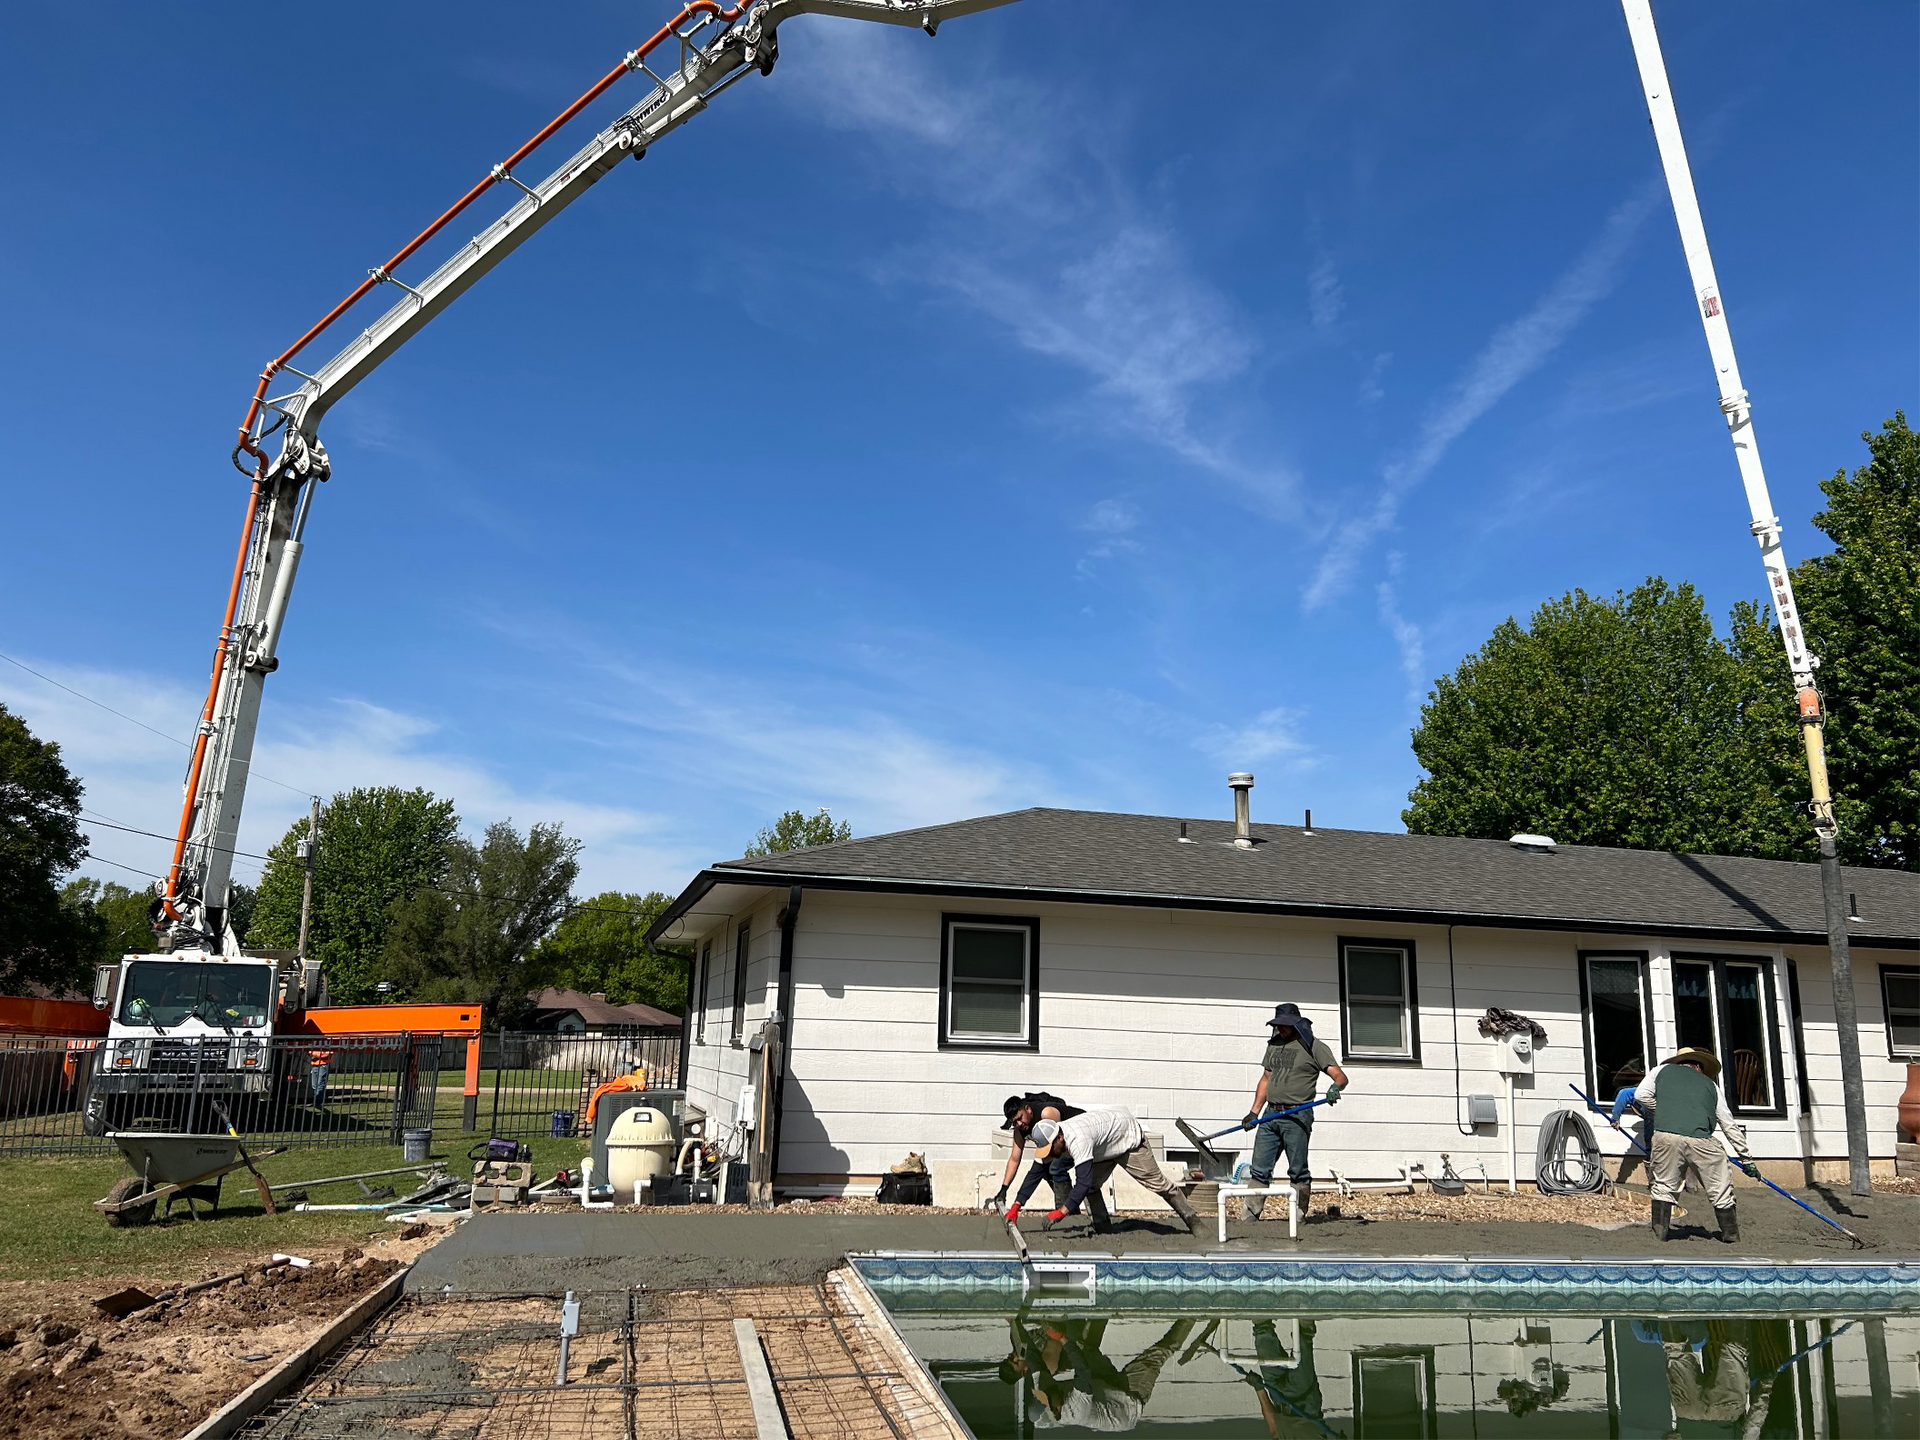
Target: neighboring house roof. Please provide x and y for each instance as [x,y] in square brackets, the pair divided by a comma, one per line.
[597,1014]
[1095,856]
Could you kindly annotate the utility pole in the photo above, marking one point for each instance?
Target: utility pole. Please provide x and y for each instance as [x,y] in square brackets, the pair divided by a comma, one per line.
[1766,529]
[308,849]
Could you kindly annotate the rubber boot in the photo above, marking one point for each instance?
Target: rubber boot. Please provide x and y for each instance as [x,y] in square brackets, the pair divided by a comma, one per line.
[1184,1209]
[1662,1219]
[1729,1224]
[1252,1206]
[1097,1208]
[1303,1192]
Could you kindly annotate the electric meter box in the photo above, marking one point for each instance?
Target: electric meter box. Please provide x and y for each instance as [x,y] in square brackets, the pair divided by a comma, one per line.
[1513,1054]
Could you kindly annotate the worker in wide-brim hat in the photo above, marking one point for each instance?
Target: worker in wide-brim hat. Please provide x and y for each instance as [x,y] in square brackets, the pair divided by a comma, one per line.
[1290,1072]
[1687,1108]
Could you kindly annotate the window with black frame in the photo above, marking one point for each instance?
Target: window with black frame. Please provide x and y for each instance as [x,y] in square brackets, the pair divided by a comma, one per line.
[1725,1004]
[1900,998]
[1618,1032]
[989,982]
[739,984]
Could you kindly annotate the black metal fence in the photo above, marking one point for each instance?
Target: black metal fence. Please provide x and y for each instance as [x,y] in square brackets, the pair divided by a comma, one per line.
[62,1096]
[542,1084]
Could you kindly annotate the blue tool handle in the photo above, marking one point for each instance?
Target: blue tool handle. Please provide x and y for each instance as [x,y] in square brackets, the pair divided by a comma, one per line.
[1264,1119]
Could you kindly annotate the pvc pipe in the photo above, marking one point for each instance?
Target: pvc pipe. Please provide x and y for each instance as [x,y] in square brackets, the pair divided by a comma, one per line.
[1513,1145]
[587,1202]
[1293,1205]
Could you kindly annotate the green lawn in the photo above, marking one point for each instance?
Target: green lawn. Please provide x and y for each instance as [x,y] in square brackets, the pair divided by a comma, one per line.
[49,1229]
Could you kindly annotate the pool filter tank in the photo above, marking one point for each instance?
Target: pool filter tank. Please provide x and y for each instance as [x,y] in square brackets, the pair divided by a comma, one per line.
[639,1148]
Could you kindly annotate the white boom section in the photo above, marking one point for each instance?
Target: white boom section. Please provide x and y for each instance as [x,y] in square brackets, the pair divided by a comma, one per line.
[713,55]
[1733,395]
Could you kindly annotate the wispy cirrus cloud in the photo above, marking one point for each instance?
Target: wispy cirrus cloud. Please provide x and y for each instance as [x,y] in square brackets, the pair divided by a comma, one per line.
[1514,352]
[1051,244]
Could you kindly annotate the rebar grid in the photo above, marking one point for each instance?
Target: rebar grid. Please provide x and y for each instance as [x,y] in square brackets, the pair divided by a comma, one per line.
[642,1367]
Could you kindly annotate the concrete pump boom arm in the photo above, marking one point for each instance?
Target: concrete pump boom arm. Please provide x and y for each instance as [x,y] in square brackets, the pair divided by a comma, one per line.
[708,47]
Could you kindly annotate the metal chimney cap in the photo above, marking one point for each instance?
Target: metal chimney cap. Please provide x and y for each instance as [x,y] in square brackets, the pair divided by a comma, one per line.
[1240,780]
[1525,841]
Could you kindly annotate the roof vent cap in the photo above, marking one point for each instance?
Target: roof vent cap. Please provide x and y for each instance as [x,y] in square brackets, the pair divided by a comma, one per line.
[1532,842]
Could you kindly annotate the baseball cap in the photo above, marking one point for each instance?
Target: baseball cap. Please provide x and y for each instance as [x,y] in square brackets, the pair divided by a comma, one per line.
[1044,1132]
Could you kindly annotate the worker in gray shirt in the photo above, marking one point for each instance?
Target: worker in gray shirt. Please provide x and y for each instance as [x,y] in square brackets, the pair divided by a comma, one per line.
[1289,1075]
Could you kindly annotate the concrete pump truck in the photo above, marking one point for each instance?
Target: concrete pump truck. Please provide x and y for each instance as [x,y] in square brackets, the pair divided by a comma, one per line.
[199,1012]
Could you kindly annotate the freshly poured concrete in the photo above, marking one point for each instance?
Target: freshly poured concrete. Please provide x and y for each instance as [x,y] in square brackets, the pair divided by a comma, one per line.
[685,1249]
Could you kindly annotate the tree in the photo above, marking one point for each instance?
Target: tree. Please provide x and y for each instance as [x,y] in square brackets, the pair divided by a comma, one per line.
[377,847]
[798,831]
[1861,608]
[42,942]
[470,936]
[122,914]
[1622,722]
[598,949]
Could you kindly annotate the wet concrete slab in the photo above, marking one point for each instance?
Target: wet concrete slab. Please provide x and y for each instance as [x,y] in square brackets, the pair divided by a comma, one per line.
[547,1252]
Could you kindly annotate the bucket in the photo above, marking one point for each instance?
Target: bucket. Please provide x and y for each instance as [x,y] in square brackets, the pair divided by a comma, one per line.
[560,1124]
[414,1145]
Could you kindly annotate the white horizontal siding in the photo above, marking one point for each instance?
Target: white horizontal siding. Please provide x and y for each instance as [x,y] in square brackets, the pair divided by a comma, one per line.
[1165,1011]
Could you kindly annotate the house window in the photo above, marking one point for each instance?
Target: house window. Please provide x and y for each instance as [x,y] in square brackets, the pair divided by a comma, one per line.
[1393,1394]
[1900,998]
[739,984]
[990,982]
[1725,1003]
[1380,1010]
[1613,992]
[700,993]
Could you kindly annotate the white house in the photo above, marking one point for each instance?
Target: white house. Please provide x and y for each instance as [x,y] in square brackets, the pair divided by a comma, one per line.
[1134,959]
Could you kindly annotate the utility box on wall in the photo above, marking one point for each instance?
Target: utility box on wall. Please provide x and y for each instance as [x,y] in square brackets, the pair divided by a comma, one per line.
[1513,1054]
[1483,1110]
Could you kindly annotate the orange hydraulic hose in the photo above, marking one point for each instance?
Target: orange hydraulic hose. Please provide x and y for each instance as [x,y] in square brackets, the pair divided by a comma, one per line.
[600,87]
[213,693]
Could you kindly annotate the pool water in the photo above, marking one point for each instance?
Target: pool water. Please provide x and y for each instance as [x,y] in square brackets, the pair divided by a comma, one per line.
[1082,1370]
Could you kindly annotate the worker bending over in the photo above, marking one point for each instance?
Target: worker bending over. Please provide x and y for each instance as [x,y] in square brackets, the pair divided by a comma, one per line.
[1687,1105]
[1096,1142]
[1023,1112]
[1289,1074]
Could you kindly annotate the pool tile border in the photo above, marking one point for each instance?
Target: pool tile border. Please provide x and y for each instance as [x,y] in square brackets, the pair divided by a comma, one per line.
[964,1279]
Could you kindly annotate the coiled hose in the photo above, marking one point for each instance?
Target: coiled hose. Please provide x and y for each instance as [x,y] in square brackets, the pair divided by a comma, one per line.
[1553,1172]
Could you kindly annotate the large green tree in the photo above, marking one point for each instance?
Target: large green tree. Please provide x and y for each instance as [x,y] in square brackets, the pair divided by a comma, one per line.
[378,847]
[599,949]
[1861,607]
[43,942]
[797,830]
[470,937]
[123,927]
[1623,721]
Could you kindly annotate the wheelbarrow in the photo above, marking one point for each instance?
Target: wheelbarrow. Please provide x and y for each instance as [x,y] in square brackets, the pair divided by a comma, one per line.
[174,1166]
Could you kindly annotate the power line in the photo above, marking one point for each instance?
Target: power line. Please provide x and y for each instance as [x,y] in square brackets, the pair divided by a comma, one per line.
[155,834]
[170,739]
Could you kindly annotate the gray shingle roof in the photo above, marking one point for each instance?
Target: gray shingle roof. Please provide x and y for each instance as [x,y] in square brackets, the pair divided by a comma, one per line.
[1138,859]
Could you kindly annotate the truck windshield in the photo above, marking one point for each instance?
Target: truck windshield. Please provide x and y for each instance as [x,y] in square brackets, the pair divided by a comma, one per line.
[220,994]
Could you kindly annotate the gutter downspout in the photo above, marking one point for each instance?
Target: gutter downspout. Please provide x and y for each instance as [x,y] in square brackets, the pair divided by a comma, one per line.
[789,915]
[686,1025]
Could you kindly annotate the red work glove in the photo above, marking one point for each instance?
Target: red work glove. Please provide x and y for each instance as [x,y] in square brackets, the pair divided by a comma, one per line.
[1054,1216]
[1013,1213]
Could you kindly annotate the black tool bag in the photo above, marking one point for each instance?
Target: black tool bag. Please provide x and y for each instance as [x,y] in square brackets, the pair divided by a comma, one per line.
[914,1187]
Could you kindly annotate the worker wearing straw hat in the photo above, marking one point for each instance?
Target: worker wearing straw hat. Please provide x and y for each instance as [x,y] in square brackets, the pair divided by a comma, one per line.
[1688,1106]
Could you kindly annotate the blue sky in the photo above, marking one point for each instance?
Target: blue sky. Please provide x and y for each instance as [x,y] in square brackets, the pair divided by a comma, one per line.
[1067,410]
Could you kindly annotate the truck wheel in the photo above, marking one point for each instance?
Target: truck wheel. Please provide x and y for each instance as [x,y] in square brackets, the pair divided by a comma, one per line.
[139,1214]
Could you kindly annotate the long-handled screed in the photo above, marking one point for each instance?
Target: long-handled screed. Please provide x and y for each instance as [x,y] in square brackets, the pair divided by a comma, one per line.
[1858,1243]
[1199,1141]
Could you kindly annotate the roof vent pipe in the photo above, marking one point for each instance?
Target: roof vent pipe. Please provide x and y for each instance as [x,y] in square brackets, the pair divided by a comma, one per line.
[1241,782]
[1532,842]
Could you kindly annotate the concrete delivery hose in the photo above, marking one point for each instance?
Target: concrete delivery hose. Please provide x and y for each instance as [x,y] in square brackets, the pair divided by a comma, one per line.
[1554,1173]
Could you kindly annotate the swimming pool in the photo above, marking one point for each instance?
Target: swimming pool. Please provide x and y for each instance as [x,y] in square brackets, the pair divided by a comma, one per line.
[1428,1347]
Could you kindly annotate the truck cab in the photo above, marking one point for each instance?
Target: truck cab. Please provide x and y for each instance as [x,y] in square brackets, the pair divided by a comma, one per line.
[187,1028]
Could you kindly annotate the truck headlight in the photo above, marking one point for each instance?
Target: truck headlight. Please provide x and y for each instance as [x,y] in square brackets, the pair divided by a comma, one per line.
[123,1054]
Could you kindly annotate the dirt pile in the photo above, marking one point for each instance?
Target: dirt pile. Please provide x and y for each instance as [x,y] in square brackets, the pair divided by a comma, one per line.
[69,1372]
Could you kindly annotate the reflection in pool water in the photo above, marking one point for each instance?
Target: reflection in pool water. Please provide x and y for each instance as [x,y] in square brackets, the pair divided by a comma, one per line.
[1081,1371]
